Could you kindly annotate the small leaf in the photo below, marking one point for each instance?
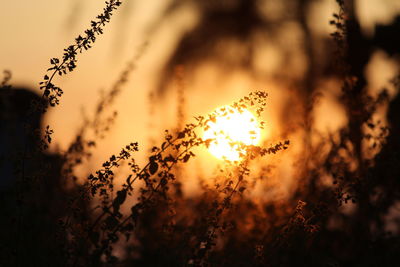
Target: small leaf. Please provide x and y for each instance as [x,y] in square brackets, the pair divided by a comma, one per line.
[169,158]
[181,135]
[163,145]
[119,200]
[186,158]
[153,167]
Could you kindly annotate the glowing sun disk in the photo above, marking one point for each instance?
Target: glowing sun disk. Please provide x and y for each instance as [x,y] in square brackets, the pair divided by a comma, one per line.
[229,130]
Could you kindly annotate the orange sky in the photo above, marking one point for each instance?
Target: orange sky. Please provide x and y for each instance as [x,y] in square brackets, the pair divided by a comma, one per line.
[34,31]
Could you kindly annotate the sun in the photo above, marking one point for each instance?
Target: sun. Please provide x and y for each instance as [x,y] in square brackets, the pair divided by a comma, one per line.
[230,130]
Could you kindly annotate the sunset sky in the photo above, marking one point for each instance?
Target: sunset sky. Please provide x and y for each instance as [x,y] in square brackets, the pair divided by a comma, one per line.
[35,31]
[200,133]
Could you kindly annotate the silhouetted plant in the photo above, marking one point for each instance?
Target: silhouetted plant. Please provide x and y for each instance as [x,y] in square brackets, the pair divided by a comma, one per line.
[51,92]
[56,217]
[94,128]
[177,148]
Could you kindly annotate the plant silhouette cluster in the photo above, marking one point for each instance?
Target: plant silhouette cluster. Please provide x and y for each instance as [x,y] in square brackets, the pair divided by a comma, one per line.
[51,92]
[157,176]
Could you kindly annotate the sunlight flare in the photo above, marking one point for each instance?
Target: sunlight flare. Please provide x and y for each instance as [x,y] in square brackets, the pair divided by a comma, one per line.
[231,130]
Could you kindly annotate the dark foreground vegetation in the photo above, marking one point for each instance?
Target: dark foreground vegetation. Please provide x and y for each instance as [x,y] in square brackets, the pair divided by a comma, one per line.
[51,217]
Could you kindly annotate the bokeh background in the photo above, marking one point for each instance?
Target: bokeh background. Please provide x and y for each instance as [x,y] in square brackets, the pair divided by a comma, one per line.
[207,53]
[331,199]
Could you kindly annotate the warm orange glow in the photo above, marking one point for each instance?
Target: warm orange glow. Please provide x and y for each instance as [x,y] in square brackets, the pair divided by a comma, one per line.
[230,130]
